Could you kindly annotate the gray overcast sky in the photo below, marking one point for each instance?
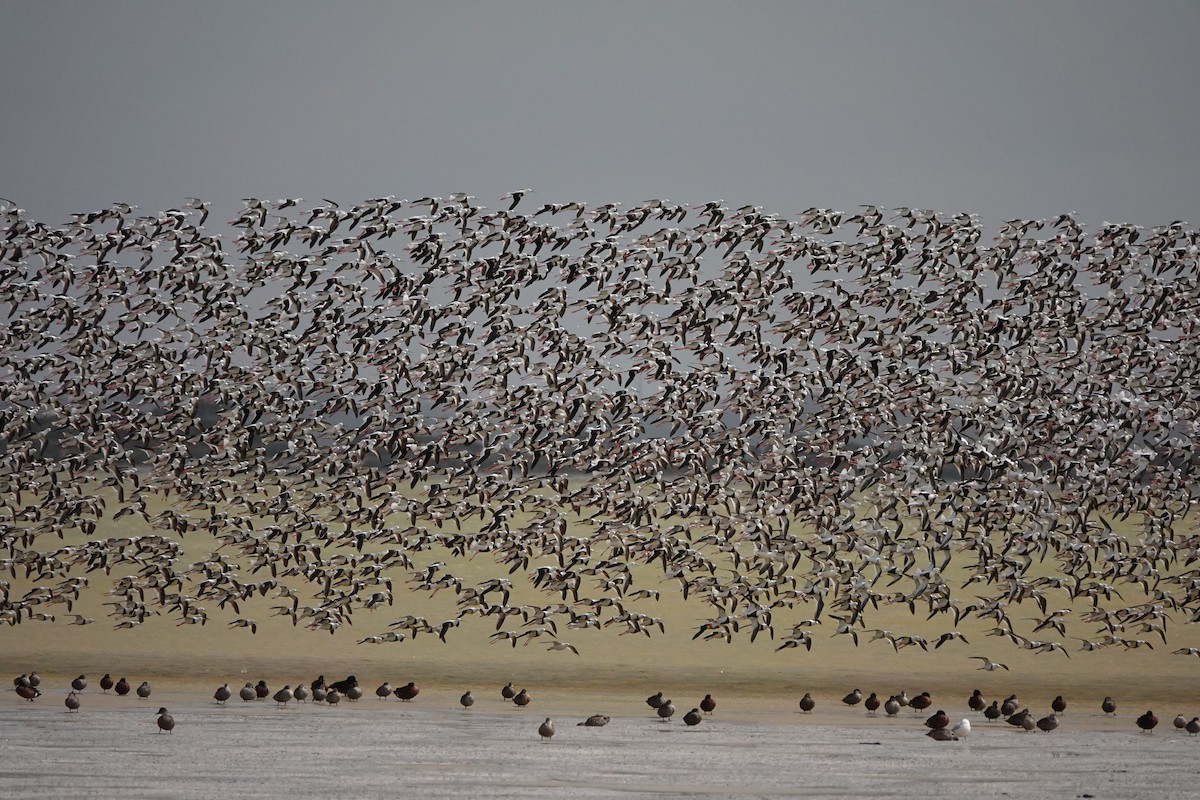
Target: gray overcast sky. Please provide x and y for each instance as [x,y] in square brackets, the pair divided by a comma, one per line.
[1003,109]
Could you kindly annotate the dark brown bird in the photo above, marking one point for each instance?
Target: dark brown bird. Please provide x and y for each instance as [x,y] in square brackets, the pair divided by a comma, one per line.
[872,703]
[522,698]
[80,683]
[993,711]
[807,703]
[938,720]
[106,682]
[28,692]
[122,687]
[693,717]
[466,700]
[222,693]
[1047,724]
[707,705]
[1193,727]
[1109,706]
[1019,719]
[1147,722]
[165,721]
[344,684]
[976,702]
[1009,706]
[655,700]
[508,692]
[921,702]
[1058,705]
[408,691]
[261,691]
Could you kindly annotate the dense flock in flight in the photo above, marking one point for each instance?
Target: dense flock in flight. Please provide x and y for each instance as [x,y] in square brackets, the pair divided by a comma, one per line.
[791,419]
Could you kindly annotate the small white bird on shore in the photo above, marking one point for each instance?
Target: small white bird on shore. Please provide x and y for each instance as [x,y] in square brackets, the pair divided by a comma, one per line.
[962,729]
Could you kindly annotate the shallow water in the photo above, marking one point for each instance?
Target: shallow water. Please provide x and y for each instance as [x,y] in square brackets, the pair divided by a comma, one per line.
[433,748]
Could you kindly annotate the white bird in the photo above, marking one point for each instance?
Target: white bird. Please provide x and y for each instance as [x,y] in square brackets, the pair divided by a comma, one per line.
[989,665]
[962,729]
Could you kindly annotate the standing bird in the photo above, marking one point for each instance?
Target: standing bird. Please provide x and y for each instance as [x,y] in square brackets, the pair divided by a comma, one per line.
[408,691]
[466,701]
[872,704]
[72,702]
[284,696]
[261,691]
[707,705]
[106,682]
[921,702]
[666,711]
[222,694]
[807,703]
[80,683]
[962,729]
[546,729]
[1058,705]
[1180,722]
[1109,706]
[165,721]
[655,700]
[976,702]
[692,718]
[1047,724]
[993,712]
[1019,719]
[508,692]
[1193,727]
[300,693]
[122,688]
[522,698]
[333,697]
[143,691]
[247,692]
[355,692]
[892,706]
[854,698]
[1009,706]
[384,690]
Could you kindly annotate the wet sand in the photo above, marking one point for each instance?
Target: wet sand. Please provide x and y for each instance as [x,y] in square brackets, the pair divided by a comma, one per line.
[433,748]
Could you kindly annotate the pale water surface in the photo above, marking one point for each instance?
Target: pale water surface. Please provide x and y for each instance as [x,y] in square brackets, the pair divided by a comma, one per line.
[433,748]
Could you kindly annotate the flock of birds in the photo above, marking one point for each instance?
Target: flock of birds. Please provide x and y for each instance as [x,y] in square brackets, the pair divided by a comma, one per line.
[320,691]
[791,421]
